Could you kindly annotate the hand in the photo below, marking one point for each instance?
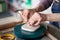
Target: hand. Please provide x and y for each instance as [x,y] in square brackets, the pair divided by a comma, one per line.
[26,14]
[36,19]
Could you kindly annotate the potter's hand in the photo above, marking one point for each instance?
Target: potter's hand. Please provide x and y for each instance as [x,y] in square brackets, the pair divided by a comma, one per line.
[26,14]
[36,19]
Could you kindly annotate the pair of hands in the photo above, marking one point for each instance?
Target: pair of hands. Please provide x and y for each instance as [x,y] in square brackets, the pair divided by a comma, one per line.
[33,18]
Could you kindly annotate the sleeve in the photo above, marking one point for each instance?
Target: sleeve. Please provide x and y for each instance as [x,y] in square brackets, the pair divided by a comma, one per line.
[56,9]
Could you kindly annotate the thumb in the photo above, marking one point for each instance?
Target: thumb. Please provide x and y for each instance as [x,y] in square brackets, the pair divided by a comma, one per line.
[37,23]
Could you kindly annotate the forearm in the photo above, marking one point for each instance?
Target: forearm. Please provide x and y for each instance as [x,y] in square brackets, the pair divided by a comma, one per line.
[53,17]
[50,17]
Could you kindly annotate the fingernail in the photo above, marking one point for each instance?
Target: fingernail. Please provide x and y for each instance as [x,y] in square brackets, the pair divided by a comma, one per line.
[29,24]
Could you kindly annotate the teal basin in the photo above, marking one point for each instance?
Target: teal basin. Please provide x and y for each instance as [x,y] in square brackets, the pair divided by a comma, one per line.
[29,35]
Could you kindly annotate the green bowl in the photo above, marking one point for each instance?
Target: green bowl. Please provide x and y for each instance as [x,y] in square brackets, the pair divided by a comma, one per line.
[29,35]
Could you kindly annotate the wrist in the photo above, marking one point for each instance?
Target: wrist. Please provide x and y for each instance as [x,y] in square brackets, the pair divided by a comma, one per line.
[43,16]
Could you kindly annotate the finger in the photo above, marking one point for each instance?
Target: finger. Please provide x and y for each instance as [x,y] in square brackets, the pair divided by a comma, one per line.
[31,21]
[37,23]
[30,13]
[25,15]
[24,12]
[25,20]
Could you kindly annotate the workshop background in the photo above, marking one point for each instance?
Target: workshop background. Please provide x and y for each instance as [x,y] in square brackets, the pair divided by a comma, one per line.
[9,18]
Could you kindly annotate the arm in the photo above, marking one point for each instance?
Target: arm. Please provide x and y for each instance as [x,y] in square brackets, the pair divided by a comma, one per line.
[51,17]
